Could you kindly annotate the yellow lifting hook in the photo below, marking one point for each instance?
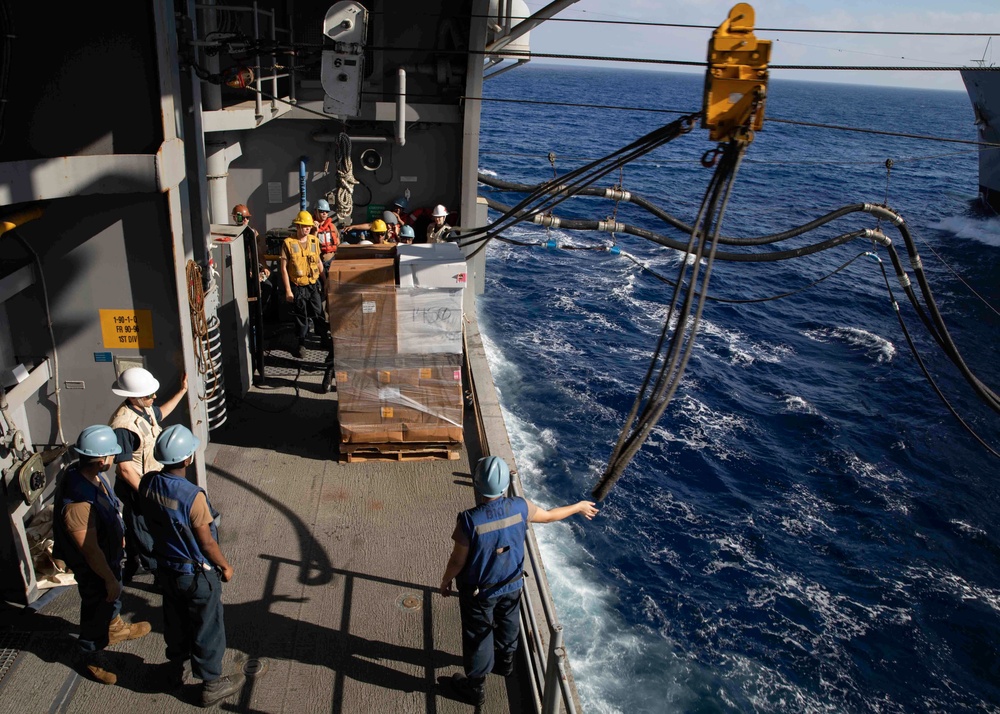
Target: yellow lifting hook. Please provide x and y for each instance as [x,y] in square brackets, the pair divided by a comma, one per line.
[736,80]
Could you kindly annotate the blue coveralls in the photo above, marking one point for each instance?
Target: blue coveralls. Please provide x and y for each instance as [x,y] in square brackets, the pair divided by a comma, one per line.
[95,612]
[193,625]
[489,584]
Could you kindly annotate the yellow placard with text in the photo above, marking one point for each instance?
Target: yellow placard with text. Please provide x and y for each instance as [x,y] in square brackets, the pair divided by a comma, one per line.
[127,329]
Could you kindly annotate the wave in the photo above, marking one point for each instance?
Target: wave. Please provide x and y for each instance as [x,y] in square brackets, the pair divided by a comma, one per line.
[707,429]
[742,350]
[983,230]
[798,405]
[876,347]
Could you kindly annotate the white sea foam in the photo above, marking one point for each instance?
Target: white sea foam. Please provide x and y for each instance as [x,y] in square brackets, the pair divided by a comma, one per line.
[798,405]
[741,349]
[942,581]
[805,513]
[891,485]
[706,429]
[983,230]
[876,347]
[968,529]
[488,172]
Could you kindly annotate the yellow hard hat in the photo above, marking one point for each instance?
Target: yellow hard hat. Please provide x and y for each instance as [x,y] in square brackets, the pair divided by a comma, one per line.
[303,219]
[378,226]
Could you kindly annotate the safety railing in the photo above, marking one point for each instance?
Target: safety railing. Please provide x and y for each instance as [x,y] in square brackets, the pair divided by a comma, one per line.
[214,26]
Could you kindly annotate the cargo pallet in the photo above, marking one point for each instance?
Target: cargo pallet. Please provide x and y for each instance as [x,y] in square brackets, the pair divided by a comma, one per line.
[352,453]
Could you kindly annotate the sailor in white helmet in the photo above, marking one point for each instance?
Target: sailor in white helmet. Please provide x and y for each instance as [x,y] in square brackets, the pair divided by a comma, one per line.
[137,423]
[438,230]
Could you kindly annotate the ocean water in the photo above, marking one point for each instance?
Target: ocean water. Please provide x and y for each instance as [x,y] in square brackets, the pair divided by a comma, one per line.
[807,529]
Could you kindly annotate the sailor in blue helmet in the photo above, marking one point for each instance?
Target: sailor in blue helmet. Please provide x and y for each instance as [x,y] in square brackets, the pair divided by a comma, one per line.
[88,532]
[406,235]
[488,563]
[190,566]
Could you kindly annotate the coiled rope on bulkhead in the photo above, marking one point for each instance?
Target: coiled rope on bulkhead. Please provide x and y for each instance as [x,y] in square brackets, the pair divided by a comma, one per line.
[343,195]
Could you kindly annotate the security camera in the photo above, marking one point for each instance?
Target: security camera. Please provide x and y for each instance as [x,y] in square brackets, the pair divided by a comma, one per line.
[371,159]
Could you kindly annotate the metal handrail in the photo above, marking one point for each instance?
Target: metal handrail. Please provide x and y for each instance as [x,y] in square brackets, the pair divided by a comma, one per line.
[274,76]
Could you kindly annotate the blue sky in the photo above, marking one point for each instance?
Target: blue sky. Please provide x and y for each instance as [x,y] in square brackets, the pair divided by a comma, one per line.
[791,48]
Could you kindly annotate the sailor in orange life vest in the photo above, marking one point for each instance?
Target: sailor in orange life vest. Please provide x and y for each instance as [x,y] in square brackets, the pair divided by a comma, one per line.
[488,562]
[300,270]
[326,232]
[137,423]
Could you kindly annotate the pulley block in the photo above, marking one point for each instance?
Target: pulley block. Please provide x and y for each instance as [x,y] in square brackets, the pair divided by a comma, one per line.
[31,478]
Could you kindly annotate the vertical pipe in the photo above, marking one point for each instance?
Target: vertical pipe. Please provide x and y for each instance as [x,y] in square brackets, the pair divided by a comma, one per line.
[274,63]
[258,110]
[291,60]
[217,173]
[553,692]
[211,93]
[303,202]
[401,109]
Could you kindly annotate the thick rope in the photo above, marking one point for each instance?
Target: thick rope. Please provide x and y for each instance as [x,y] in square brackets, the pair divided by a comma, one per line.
[199,326]
[343,196]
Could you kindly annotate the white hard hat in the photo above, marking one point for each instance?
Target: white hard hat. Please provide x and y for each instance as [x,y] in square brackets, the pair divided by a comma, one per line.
[135,382]
[439,211]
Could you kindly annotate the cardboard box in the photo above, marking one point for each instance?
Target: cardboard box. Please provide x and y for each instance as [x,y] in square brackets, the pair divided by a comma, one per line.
[366,271]
[362,322]
[382,251]
[357,429]
[416,433]
[429,320]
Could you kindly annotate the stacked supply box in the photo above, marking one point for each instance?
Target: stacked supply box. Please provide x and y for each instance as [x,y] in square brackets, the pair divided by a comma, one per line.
[399,368]
[432,279]
[410,400]
[361,302]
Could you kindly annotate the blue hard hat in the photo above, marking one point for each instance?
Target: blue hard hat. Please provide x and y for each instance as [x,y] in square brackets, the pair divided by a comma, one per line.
[174,445]
[492,477]
[407,232]
[323,205]
[97,440]
[401,202]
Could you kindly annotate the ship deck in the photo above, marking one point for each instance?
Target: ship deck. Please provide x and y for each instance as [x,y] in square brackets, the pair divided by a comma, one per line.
[334,601]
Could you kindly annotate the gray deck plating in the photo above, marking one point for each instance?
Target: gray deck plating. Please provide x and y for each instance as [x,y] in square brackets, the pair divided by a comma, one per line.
[335,586]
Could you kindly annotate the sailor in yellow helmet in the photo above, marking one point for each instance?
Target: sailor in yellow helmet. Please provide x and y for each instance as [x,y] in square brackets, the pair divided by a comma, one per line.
[300,272]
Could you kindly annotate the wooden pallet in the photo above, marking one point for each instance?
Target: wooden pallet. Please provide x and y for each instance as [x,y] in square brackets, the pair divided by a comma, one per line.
[351,453]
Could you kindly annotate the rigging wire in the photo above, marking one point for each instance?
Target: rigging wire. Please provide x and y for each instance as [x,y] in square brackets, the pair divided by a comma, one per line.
[681,25]
[548,195]
[529,55]
[817,125]
[747,301]
[927,312]
[923,367]
[653,397]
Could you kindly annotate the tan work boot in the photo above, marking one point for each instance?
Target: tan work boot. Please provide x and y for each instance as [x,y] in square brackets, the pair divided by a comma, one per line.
[101,675]
[119,630]
[95,664]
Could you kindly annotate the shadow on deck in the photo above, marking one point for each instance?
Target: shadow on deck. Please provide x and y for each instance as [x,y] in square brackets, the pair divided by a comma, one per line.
[334,599]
